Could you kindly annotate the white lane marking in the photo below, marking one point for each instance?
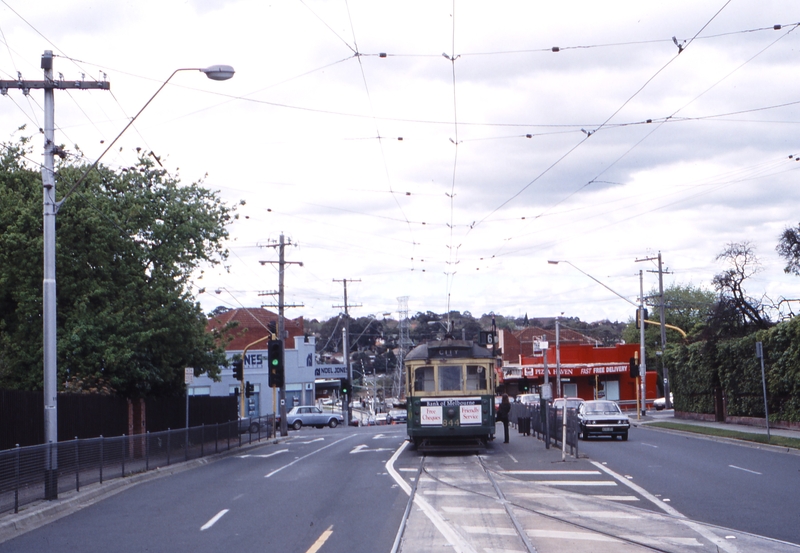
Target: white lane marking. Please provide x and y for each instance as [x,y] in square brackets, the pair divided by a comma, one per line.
[312,441]
[660,540]
[262,456]
[561,535]
[617,497]
[705,532]
[276,471]
[363,449]
[649,445]
[213,520]
[548,472]
[574,482]
[321,540]
[746,470]
[473,511]
[454,539]
[592,514]
[553,534]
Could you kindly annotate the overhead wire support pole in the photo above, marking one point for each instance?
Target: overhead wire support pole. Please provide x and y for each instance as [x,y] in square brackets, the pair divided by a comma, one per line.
[346,412]
[49,211]
[281,322]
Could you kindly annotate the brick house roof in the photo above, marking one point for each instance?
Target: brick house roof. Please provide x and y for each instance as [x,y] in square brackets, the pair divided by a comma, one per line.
[250,324]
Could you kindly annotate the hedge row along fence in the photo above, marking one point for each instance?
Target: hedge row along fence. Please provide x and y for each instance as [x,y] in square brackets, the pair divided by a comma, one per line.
[701,369]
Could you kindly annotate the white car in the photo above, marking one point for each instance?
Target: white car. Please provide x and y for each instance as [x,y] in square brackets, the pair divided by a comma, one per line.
[661,403]
[529,399]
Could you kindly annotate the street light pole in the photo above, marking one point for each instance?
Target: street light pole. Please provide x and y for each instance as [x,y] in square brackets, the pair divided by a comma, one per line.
[50,210]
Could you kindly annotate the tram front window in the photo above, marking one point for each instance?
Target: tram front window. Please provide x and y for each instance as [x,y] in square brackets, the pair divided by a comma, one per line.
[450,378]
[476,377]
[423,379]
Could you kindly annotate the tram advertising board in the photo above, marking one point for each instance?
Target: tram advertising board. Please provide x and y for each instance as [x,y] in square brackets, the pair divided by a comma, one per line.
[432,410]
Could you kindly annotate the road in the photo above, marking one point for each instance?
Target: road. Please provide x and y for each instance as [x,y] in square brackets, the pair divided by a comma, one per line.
[326,486]
[749,489]
[346,490]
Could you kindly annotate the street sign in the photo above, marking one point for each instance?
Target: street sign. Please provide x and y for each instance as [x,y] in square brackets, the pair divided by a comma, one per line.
[188,375]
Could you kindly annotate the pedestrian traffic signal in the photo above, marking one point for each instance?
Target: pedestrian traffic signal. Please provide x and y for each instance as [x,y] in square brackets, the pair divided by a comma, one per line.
[238,369]
[275,362]
[249,389]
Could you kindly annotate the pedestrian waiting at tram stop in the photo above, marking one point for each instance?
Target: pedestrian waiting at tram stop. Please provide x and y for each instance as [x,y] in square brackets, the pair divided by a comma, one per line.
[502,415]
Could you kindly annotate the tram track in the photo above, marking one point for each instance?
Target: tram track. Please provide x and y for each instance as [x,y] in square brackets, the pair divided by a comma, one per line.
[480,500]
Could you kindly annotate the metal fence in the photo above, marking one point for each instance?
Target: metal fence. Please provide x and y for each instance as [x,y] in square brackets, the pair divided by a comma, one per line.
[33,473]
[529,421]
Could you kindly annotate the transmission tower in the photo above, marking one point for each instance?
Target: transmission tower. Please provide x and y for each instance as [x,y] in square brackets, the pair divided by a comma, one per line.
[405,344]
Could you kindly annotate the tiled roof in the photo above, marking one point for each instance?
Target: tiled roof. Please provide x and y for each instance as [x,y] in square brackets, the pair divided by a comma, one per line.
[250,324]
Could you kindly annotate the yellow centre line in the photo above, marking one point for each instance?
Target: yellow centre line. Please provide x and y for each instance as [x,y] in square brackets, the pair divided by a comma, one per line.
[321,540]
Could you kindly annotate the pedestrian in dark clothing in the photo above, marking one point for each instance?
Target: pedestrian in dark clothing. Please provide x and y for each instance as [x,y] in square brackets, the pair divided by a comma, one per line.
[502,415]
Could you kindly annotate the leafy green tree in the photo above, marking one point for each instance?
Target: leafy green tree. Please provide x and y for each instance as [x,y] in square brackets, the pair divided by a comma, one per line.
[126,245]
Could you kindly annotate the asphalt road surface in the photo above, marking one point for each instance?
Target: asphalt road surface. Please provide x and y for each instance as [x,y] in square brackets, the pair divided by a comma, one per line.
[736,486]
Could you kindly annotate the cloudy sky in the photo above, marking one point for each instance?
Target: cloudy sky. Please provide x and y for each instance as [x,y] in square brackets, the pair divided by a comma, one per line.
[445,151]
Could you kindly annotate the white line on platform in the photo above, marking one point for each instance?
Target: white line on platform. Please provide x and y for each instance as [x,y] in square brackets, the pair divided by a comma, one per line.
[553,472]
[214,520]
[575,482]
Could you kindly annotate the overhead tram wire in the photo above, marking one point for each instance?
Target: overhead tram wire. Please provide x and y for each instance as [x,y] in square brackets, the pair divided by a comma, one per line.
[665,120]
[608,119]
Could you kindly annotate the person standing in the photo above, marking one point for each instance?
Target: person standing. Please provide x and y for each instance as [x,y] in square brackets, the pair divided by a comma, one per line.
[502,415]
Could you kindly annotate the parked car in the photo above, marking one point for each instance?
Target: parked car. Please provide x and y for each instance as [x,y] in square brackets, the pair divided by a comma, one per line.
[381,418]
[529,399]
[602,418]
[397,416]
[308,415]
[661,402]
[572,403]
[252,425]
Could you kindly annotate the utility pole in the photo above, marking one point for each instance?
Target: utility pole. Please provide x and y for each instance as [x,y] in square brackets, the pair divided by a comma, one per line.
[50,209]
[667,401]
[281,323]
[662,320]
[642,358]
[346,412]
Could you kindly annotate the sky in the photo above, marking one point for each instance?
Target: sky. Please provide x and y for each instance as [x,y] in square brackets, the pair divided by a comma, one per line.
[443,151]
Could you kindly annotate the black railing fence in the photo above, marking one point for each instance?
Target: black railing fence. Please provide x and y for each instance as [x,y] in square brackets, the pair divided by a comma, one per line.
[24,471]
[529,421]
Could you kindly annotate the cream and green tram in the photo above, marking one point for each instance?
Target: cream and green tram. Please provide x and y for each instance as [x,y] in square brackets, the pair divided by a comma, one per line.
[450,393]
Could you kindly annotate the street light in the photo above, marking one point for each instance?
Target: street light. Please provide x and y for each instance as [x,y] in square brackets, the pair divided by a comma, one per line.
[640,307]
[594,279]
[51,207]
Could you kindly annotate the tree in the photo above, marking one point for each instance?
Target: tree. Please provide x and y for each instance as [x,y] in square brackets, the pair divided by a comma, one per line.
[789,249]
[733,298]
[127,242]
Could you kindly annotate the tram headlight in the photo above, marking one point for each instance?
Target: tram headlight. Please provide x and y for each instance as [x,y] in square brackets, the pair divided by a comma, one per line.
[451,412]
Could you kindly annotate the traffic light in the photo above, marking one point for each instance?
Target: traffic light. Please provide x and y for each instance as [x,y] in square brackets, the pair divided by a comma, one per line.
[249,389]
[238,369]
[345,386]
[525,384]
[634,367]
[275,362]
[638,324]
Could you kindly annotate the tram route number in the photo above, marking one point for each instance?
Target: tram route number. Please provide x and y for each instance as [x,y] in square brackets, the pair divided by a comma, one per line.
[451,422]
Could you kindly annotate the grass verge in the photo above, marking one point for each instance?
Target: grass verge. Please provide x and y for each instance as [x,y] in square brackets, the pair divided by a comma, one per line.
[721,432]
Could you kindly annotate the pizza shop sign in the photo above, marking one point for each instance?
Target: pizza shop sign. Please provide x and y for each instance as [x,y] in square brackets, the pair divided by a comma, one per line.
[585,370]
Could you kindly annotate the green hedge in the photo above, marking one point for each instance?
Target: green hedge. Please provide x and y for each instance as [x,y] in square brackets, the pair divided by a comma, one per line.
[698,368]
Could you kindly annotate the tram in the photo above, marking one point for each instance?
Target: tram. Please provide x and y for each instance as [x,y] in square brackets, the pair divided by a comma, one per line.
[450,387]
